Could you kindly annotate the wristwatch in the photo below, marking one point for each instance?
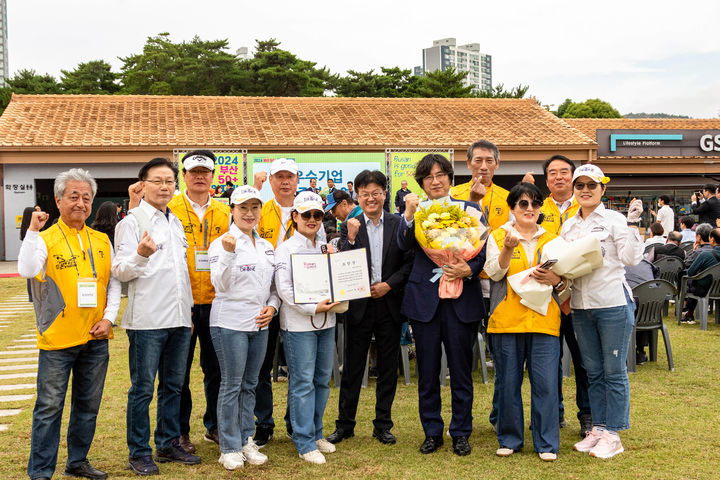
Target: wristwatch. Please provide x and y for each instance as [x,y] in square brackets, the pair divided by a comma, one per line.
[560,285]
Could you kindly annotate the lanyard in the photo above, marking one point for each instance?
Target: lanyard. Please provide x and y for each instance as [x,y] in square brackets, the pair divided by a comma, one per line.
[92,259]
[286,230]
[486,208]
[192,229]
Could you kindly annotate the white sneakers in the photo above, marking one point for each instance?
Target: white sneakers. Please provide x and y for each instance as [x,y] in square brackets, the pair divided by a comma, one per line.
[313,457]
[324,446]
[504,452]
[252,453]
[232,461]
[608,446]
[547,456]
[600,444]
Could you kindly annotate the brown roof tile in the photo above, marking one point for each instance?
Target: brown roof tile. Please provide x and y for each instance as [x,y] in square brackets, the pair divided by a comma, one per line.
[116,121]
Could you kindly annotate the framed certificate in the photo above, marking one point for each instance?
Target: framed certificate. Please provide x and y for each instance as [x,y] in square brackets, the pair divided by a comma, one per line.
[337,276]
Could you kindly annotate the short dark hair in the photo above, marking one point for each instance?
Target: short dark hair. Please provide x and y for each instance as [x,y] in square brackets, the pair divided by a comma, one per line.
[339,196]
[350,183]
[424,166]
[665,199]
[675,237]
[523,188]
[687,220]
[558,157]
[656,229]
[487,145]
[715,234]
[206,153]
[157,162]
[366,177]
[710,187]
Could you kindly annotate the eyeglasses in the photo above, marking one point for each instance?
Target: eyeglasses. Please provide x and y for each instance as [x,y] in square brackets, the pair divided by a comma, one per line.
[160,183]
[524,204]
[590,185]
[314,214]
[437,176]
[374,195]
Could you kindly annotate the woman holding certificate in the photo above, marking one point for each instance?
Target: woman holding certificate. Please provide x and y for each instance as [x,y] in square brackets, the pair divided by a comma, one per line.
[242,266]
[603,310]
[308,331]
[521,334]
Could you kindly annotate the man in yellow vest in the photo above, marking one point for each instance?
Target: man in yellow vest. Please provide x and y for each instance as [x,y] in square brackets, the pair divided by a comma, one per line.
[557,208]
[76,302]
[204,219]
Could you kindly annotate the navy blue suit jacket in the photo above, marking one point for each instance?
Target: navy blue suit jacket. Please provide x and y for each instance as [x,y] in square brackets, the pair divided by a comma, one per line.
[421,295]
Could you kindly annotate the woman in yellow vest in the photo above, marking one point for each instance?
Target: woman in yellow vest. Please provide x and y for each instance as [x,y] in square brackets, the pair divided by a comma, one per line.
[521,335]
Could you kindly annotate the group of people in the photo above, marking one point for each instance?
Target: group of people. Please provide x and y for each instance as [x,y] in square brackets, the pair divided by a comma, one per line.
[200,271]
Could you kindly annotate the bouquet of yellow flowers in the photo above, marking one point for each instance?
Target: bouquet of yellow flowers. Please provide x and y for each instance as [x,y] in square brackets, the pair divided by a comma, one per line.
[446,230]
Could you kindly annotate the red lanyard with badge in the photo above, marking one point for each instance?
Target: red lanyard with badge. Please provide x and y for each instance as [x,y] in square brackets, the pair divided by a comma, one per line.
[87,296]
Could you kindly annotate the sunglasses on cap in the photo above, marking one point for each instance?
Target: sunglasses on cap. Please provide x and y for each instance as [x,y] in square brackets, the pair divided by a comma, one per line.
[524,204]
[590,185]
[314,214]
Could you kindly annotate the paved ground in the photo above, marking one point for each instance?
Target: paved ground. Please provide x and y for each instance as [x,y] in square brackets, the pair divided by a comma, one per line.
[8,267]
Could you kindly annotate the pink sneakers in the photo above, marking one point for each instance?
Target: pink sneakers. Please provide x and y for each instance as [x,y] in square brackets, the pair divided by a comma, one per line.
[608,446]
[591,439]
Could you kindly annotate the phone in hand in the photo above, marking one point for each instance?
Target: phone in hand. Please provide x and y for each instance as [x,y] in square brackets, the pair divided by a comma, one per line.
[548,263]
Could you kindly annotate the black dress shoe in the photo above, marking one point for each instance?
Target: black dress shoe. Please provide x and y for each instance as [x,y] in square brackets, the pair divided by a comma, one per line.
[176,454]
[461,446]
[339,435]
[143,465]
[431,444]
[384,436]
[85,470]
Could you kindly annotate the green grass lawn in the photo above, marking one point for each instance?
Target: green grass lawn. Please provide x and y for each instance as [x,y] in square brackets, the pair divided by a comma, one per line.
[674,418]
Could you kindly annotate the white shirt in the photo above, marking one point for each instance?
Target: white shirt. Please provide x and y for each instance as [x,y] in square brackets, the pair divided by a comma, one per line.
[620,244]
[492,265]
[243,281]
[32,260]
[562,206]
[666,218]
[375,238]
[197,208]
[285,213]
[296,317]
[161,282]
[688,235]
[654,241]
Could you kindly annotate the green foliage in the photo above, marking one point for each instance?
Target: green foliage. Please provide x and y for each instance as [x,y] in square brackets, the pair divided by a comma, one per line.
[94,77]
[499,92]
[653,115]
[29,82]
[441,83]
[391,82]
[563,107]
[591,108]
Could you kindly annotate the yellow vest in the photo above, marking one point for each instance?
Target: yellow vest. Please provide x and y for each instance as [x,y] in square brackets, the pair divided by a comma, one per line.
[553,220]
[269,227]
[201,234]
[510,316]
[494,204]
[72,326]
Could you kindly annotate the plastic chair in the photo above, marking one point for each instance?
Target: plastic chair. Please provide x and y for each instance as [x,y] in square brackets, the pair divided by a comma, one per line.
[669,269]
[650,297]
[687,246]
[479,358]
[650,247]
[702,306]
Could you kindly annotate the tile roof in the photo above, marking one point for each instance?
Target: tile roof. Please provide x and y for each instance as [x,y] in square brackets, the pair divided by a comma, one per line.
[588,126]
[110,122]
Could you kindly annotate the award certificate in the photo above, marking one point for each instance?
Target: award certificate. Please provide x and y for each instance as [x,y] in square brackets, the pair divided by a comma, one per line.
[337,276]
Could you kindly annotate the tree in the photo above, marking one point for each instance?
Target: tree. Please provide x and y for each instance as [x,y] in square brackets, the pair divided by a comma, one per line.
[391,82]
[563,107]
[94,77]
[441,83]
[278,73]
[27,81]
[591,108]
[500,92]
[197,67]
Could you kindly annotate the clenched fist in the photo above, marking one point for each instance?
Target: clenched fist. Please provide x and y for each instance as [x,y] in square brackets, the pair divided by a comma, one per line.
[353,226]
[228,242]
[634,210]
[411,203]
[477,191]
[136,192]
[147,246]
[529,178]
[511,241]
[38,221]
[258,179]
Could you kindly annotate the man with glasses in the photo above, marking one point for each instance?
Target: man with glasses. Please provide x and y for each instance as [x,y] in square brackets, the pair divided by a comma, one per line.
[204,220]
[378,316]
[151,255]
[76,302]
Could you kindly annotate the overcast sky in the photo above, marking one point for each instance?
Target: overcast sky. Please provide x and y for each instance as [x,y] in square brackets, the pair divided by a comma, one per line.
[651,56]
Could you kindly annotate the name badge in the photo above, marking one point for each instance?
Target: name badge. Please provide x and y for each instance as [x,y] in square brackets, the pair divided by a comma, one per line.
[87,292]
[202,260]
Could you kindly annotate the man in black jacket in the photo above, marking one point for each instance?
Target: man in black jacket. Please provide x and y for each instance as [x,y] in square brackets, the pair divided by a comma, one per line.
[707,209]
[389,268]
[671,248]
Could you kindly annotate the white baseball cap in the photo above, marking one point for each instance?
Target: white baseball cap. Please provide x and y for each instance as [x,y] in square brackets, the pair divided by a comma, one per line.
[243,194]
[592,171]
[195,161]
[280,164]
[306,201]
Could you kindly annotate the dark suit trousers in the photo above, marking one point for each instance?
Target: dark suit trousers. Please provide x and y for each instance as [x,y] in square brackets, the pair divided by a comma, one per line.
[458,338]
[377,321]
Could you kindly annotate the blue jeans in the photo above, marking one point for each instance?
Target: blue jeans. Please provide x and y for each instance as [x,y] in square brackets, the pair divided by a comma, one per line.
[163,353]
[604,337]
[310,357]
[240,355]
[88,364]
[542,353]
